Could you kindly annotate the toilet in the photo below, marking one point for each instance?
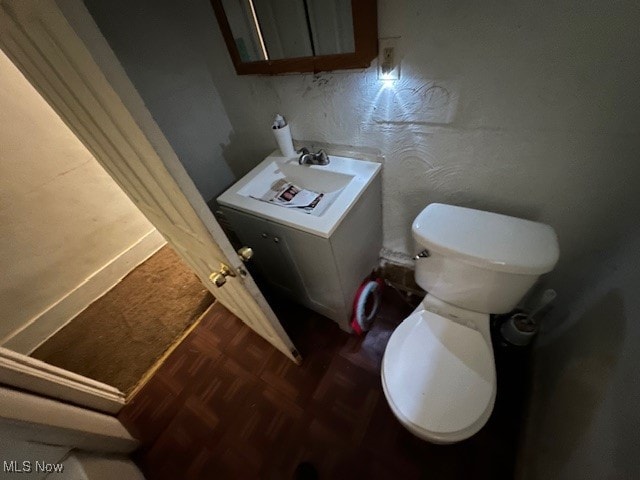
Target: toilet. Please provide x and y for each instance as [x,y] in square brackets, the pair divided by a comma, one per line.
[438,370]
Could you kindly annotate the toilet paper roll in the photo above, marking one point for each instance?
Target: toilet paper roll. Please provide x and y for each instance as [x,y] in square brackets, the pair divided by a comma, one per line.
[285,143]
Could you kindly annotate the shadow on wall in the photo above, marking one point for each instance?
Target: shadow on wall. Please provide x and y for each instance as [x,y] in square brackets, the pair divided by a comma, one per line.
[576,380]
[243,151]
[156,44]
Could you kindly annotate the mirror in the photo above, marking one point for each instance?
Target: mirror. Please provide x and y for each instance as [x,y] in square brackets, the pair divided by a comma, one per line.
[277,29]
[280,36]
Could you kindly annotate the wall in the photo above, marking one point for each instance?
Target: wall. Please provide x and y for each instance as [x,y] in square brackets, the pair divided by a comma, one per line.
[505,106]
[515,107]
[48,439]
[583,418]
[67,232]
[30,417]
[154,42]
[34,428]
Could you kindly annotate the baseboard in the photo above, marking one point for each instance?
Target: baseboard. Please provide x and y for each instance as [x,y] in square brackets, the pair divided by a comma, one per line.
[44,325]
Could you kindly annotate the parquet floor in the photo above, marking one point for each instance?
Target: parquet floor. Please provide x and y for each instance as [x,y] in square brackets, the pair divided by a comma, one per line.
[227,405]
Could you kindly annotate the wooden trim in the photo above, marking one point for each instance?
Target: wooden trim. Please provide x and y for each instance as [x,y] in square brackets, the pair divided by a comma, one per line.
[39,377]
[225,28]
[158,363]
[365,29]
[31,418]
[365,33]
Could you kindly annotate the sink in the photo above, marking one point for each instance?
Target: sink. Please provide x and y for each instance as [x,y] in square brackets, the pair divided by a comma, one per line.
[341,182]
[320,181]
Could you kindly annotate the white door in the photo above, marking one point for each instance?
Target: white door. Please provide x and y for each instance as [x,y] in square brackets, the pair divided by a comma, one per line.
[39,40]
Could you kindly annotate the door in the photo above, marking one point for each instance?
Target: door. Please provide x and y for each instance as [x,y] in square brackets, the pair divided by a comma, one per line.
[270,257]
[42,44]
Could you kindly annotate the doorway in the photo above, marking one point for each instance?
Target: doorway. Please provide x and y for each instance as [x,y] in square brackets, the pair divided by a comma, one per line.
[122,336]
[90,285]
[74,69]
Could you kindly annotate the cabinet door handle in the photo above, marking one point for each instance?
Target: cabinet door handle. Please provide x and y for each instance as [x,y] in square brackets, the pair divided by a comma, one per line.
[276,239]
[245,253]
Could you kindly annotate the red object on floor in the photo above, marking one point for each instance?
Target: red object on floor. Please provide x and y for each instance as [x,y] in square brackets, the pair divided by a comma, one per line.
[370,289]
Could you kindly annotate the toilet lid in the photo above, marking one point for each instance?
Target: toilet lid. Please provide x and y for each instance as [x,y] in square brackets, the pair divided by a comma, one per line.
[438,374]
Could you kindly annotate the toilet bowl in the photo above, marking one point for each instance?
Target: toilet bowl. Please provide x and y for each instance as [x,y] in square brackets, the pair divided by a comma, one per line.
[438,370]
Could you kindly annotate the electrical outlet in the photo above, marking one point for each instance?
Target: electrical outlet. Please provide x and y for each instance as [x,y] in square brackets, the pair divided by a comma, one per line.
[388,61]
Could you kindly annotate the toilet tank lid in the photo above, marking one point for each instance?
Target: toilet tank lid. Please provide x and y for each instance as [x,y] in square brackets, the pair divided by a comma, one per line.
[488,240]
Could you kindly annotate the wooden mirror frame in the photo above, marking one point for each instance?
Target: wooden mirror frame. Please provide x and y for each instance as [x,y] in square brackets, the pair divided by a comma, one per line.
[365,33]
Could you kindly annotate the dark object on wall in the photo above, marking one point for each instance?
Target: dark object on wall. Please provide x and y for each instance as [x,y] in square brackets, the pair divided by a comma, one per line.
[519,329]
[247,37]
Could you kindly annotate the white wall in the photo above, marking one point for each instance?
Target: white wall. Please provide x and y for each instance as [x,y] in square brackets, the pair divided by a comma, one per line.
[25,455]
[514,107]
[506,106]
[583,418]
[67,232]
[34,428]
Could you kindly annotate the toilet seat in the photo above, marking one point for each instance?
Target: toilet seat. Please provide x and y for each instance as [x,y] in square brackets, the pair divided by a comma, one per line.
[439,377]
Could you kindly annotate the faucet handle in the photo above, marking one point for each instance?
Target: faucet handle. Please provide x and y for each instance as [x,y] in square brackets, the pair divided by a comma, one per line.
[303,151]
[322,156]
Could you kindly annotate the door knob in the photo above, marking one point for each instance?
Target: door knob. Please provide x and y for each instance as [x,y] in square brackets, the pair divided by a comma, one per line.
[245,253]
[219,278]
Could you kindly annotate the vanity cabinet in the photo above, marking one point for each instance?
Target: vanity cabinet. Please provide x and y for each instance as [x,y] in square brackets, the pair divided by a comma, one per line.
[322,273]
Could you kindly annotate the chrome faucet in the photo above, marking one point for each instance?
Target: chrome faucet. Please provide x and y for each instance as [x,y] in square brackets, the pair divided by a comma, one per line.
[308,158]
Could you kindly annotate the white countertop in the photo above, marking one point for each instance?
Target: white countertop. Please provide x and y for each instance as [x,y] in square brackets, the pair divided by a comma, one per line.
[362,173]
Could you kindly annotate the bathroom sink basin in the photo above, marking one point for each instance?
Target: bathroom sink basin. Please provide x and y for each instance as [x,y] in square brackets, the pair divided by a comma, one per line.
[319,179]
[341,182]
[315,180]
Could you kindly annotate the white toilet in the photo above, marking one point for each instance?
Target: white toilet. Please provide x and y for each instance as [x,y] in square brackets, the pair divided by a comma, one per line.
[438,370]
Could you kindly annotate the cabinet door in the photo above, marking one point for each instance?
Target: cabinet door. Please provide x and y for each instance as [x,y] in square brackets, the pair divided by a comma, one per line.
[313,258]
[268,257]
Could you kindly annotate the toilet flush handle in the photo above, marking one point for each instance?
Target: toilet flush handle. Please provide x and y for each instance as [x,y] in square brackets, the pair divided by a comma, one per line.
[423,254]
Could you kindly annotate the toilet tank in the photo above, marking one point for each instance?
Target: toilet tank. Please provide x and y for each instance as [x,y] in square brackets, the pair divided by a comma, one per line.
[479,260]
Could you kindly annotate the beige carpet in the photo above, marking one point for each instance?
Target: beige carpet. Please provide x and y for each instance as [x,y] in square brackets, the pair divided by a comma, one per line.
[120,336]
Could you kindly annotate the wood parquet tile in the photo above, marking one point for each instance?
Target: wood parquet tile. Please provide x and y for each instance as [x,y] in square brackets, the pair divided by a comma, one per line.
[227,405]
